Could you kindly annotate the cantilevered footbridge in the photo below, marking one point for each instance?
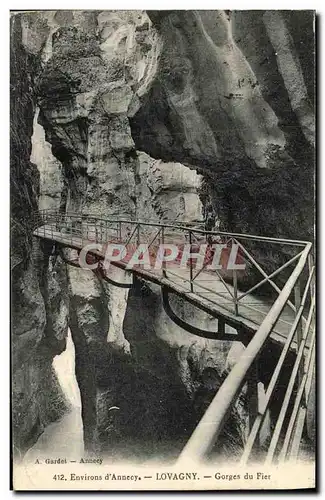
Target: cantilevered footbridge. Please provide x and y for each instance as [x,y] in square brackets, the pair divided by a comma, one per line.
[284,317]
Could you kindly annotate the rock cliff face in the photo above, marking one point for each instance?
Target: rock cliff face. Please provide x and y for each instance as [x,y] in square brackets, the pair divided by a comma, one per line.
[52,187]
[234,95]
[122,96]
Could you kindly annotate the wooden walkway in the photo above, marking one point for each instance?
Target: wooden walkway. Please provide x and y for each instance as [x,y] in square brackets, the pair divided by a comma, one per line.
[288,321]
[251,309]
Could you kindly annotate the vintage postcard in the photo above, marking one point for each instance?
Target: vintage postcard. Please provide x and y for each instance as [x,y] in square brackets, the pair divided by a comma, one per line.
[162,249]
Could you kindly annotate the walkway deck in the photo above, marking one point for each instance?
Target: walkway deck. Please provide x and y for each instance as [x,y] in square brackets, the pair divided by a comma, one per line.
[251,309]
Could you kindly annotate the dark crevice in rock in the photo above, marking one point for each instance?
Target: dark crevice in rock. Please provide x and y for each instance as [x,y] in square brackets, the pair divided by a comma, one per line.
[86,378]
[173,404]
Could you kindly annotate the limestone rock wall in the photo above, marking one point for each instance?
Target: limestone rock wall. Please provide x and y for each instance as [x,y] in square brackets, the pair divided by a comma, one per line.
[39,308]
[234,96]
[105,174]
[52,187]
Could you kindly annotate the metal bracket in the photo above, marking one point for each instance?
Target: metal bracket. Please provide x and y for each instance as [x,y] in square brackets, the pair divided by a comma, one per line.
[219,335]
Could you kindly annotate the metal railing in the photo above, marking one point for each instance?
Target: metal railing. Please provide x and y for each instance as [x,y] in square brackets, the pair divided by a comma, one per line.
[291,419]
[79,229]
[92,228]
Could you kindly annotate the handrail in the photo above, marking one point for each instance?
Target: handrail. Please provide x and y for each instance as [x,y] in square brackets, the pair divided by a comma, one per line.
[286,401]
[82,214]
[297,403]
[116,218]
[98,229]
[266,239]
[210,426]
[86,227]
[272,384]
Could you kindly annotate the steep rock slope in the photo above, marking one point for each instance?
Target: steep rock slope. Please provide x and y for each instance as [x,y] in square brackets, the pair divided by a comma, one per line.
[39,310]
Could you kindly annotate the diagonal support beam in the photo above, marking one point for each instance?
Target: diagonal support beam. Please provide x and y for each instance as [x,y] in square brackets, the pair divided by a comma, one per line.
[268,277]
[261,270]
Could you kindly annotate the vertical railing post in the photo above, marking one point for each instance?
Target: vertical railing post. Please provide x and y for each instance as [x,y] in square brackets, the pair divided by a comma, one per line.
[138,234]
[191,263]
[310,266]
[162,243]
[252,395]
[312,295]
[297,294]
[235,284]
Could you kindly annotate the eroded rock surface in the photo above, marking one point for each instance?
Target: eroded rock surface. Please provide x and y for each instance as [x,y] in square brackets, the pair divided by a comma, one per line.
[39,311]
[123,96]
[233,95]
